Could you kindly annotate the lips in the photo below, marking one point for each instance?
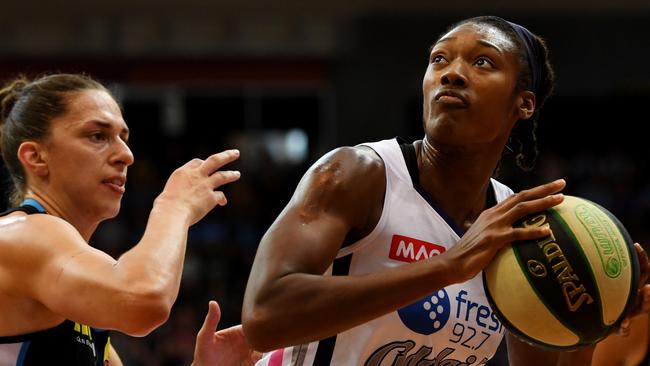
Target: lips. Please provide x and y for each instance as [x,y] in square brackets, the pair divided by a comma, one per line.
[451,98]
[116,183]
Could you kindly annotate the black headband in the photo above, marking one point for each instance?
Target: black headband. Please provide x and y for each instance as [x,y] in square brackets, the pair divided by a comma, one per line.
[532,52]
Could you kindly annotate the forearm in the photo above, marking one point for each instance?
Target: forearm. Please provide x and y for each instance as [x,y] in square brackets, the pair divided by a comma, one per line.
[283,313]
[155,264]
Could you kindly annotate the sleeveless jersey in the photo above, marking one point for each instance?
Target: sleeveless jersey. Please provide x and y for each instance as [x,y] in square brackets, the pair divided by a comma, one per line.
[69,343]
[451,326]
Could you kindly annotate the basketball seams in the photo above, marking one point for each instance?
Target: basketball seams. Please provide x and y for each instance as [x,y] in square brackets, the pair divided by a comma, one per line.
[628,266]
[546,304]
[568,230]
[510,323]
[631,252]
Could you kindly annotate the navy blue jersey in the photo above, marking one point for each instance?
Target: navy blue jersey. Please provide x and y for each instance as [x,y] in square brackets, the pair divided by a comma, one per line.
[69,343]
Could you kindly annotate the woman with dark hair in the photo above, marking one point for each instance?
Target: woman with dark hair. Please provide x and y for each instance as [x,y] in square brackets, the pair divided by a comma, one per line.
[376,259]
[64,142]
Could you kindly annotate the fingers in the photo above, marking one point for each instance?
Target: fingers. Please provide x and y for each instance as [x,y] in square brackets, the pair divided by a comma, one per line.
[642,306]
[216,161]
[645,298]
[220,198]
[644,264]
[642,300]
[211,320]
[624,329]
[523,209]
[220,178]
[533,193]
[194,163]
[530,233]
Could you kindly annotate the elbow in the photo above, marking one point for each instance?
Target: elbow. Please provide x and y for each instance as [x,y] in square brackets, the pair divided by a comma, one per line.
[146,312]
[259,330]
[154,318]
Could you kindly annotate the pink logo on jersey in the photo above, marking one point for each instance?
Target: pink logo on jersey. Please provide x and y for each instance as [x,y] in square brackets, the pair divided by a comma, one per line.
[405,249]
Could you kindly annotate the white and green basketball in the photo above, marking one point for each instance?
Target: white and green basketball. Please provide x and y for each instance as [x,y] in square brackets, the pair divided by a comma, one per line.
[571,287]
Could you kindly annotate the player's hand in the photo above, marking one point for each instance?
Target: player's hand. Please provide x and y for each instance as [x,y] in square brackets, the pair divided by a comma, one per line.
[227,347]
[193,187]
[493,229]
[642,301]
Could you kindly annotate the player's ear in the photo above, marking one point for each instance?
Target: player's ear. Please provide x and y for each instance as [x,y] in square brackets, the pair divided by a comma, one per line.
[526,104]
[33,156]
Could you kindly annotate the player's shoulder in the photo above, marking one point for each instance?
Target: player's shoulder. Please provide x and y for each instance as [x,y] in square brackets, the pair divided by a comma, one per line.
[348,181]
[36,232]
[350,163]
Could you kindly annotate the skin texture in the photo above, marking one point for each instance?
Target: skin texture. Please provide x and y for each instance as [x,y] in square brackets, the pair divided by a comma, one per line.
[114,358]
[625,350]
[470,105]
[223,348]
[77,173]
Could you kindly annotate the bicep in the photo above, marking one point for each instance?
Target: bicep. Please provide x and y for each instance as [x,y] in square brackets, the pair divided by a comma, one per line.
[295,244]
[64,273]
[333,198]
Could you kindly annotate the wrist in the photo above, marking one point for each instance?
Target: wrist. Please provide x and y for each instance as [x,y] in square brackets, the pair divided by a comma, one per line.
[452,269]
[169,206]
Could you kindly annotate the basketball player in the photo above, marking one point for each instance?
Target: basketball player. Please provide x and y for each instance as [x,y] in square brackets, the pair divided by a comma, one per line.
[64,142]
[378,253]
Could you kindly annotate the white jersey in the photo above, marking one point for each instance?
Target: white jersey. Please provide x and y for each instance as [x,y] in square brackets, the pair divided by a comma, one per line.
[452,326]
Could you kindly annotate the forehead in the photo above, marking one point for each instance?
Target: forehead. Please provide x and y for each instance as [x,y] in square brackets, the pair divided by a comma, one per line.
[480,32]
[91,105]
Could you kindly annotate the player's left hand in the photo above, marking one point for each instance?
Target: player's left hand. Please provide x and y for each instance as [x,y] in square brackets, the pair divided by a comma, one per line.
[227,347]
[642,302]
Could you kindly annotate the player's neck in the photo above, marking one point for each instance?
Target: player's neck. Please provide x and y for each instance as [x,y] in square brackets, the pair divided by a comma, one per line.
[456,178]
[58,207]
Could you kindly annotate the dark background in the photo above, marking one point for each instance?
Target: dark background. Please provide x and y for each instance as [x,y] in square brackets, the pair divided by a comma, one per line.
[288,81]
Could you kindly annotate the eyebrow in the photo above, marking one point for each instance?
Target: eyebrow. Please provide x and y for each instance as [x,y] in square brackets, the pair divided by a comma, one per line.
[491,45]
[480,41]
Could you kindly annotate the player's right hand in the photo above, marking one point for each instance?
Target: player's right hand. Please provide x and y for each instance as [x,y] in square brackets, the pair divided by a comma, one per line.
[493,228]
[194,186]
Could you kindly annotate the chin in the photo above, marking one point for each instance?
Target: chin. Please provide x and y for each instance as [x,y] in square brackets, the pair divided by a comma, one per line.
[110,211]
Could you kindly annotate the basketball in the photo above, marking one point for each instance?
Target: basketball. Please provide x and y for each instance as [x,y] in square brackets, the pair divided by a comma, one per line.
[570,288]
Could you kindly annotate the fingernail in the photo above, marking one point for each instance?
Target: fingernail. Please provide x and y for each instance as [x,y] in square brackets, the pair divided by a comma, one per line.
[234,151]
[558,196]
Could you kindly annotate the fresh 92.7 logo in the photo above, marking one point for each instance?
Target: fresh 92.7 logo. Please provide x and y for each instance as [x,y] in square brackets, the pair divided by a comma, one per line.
[472,323]
[428,315]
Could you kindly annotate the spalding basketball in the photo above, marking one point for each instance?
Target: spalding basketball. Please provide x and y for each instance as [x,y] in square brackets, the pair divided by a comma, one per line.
[571,287]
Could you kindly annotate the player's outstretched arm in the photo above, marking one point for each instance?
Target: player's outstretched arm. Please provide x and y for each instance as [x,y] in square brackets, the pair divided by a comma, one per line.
[54,265]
